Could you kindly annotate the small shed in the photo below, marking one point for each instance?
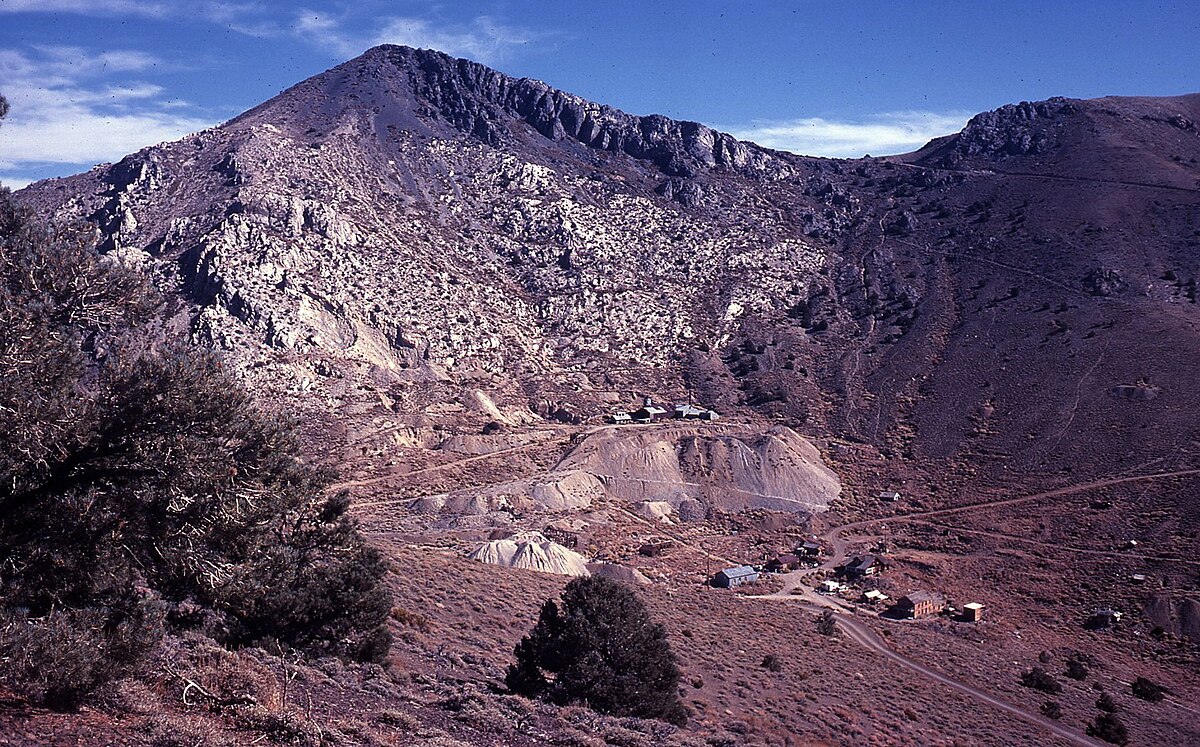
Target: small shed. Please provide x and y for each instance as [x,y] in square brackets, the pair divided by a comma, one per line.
[972,612]
[735,576]
[918,604]
[889,496]
[874,596]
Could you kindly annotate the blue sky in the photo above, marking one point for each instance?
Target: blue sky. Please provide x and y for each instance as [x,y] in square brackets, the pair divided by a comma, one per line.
[92,80]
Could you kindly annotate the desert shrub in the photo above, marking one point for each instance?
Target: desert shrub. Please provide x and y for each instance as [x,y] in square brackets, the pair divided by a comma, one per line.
[410,619]
[599,648]
[827,623]
[1148,690]
[772,663]
[1051,709]
[1039,679]
[1110,728]
[1077,669]
[1106,703]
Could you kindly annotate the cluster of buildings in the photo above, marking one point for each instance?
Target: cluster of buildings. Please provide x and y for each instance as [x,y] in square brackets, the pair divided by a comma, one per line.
[914,605]
[805,553]
[650,412]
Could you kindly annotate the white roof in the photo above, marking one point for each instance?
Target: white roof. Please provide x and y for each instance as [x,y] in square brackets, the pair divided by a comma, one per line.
[972,606]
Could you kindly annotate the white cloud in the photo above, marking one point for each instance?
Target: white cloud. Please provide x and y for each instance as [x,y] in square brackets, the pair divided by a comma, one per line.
[67,108]
[87,7]
[484,39]
[13,182]
[880,134]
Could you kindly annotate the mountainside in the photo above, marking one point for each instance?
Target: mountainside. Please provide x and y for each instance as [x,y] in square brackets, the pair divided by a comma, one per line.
[452,276]
[406,229]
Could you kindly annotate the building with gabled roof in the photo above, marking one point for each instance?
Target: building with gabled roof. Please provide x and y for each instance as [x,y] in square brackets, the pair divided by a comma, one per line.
[861,565]
[735,576]
[918,604]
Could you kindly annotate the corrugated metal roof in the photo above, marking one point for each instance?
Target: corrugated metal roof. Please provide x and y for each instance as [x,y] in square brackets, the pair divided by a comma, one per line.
[739,571]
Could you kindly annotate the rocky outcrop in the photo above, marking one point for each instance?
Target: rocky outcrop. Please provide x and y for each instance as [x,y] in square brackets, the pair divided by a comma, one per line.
[1023,129]
[480,101]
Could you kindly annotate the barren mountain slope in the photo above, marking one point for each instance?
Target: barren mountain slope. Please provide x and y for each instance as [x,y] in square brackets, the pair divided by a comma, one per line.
[406,230]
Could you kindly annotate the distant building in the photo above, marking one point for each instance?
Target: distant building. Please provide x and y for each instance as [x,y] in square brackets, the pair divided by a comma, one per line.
[808,550]
[736,576]
[620,418]
[860,566]
[890,496]
[972,612]
[829,587]
[874,596]
[564,536]
[918,604]
[688,411]
[648,413]
[787,562]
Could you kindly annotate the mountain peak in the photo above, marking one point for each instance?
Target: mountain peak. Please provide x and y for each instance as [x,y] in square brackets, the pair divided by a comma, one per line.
[431,92]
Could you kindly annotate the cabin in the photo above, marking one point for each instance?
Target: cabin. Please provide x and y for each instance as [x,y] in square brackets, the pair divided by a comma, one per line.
[781,563]
[620,418]
[736,576]
[918,604]
[808,550]
[889,496]
[860,566]
[972,612]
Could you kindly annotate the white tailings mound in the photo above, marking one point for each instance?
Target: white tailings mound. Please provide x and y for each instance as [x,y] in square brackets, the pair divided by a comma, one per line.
[731,470]
[533,552]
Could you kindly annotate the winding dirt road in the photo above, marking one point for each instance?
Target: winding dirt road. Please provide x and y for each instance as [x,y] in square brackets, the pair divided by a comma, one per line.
[838,539]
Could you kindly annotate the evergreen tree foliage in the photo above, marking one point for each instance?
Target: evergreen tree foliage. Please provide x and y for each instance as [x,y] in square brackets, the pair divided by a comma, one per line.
[599,648]
[142,489]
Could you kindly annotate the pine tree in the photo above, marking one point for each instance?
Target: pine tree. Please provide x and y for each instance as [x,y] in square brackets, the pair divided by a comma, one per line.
[599,648]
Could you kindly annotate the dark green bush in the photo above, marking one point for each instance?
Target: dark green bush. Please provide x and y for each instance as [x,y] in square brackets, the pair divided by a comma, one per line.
[599,648]
[1039,679]
[1110,728]
[1148,690]
[1077,669]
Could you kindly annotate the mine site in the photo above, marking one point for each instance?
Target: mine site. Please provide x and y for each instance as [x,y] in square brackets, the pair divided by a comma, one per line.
[426,404]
